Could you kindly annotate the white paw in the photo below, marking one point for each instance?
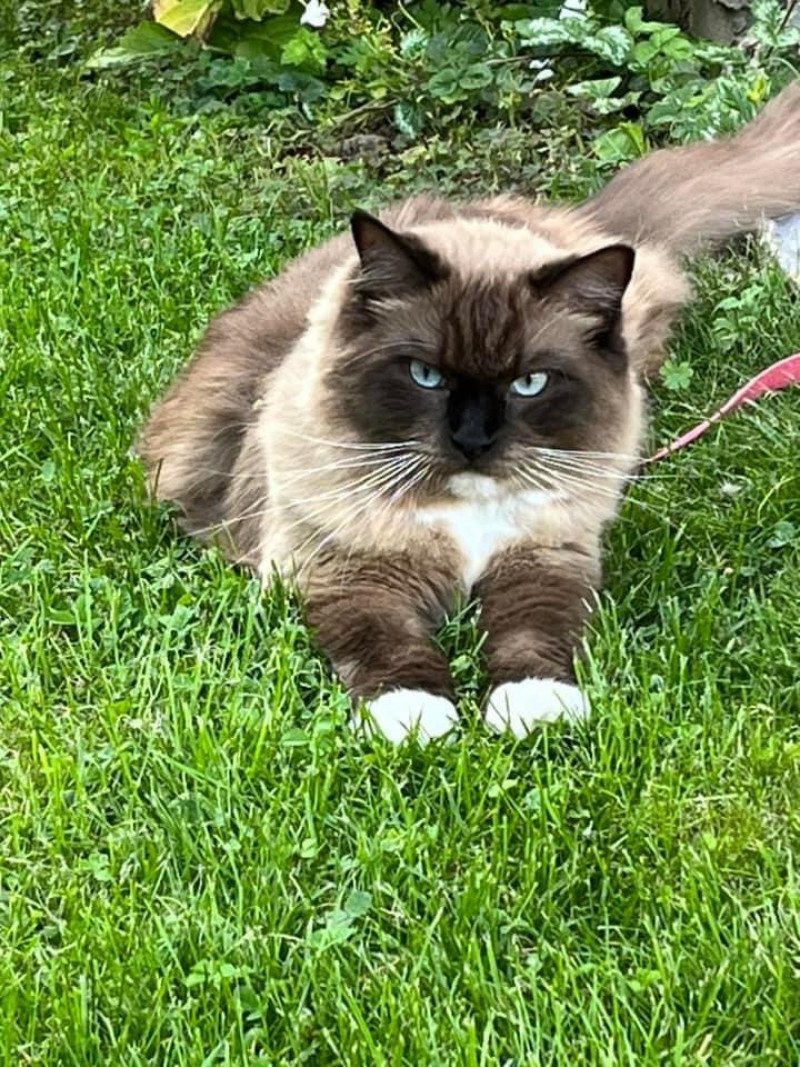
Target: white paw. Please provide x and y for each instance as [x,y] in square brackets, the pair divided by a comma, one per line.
[402,712]
[520,706]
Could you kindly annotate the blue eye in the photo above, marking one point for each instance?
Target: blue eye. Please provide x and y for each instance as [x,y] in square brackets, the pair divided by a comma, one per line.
[530,384]
[424,375]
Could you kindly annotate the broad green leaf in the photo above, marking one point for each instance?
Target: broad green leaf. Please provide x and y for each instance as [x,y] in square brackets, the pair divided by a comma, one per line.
[785,533]
[579,31]
[444,85]
[295,736]
[407,119]
[185,17]
[307,88]
[358,903]
[612,43]
[636,25]
[677,375]
[413,43]
[257,9]
[338,928]
[266,38]
[595,89]
[624,142]
[146,39]
[607,105]
[476,77]
[330,935]
[636,135]
[759,89]
[666,33]
[542,32]
[305,50]
[643,53]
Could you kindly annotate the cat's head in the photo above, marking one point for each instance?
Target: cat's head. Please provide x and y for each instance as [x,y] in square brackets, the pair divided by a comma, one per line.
[482,369]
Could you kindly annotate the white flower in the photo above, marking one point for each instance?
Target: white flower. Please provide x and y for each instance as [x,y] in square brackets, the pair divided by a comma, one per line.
[543,71]
[572,9]
[315,14]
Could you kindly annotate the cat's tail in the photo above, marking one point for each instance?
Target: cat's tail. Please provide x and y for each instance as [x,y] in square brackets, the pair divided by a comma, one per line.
[698,195]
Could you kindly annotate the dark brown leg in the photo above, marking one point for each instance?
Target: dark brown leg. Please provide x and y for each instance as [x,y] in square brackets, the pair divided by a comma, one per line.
[374,619]
[535,603]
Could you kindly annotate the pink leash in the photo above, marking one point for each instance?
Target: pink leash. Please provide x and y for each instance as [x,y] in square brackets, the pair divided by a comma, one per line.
[779,376]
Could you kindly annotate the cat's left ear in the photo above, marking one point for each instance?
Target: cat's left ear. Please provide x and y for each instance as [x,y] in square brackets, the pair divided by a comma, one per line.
[592,285]
[391,263]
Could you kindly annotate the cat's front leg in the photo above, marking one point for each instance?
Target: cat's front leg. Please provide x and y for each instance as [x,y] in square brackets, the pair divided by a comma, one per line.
[535,602]
[374,618]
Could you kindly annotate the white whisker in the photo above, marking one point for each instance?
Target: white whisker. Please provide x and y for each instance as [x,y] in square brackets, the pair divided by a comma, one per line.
[588,469]
[358,508]
[588,453]
[357,447]
[372,483]
[570,482]
[332,496]
[574,484]
[343,464]
[403,490]
[219,526]
[527,479]
[331,468]
[591,473]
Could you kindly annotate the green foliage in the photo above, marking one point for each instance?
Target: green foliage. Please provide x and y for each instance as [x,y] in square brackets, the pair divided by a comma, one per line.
[431,66]
[677,375]
[684,87]
[145,40]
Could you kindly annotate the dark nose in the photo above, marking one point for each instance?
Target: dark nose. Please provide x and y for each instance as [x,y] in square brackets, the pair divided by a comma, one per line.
[472,441]
[475,416]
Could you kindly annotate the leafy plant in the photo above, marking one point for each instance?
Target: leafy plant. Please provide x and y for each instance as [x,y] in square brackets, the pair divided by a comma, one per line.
[684,87]
[433,65]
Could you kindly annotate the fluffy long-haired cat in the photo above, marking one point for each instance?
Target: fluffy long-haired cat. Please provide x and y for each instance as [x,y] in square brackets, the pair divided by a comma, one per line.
[450,402]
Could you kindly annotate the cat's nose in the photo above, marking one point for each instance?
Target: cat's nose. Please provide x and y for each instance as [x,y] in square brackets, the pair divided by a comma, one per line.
[475,418]
[471,441]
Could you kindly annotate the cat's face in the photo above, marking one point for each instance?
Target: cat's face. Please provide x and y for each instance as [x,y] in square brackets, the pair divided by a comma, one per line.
[484,376]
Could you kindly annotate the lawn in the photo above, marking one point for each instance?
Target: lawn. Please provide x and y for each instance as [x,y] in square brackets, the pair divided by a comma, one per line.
[199,864]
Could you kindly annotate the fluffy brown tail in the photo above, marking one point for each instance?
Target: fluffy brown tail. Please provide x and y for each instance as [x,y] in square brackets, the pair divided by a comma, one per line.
[701,194]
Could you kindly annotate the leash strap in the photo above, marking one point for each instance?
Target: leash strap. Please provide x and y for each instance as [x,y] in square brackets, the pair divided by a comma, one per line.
[779,376]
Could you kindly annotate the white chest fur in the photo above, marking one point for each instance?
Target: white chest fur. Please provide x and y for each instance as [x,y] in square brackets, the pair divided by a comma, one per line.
[486,517]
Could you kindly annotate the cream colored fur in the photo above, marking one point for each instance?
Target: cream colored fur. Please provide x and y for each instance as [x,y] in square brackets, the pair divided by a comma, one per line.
[300,466]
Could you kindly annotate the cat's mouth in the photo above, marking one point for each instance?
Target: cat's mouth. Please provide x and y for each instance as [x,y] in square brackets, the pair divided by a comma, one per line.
[446,477]
[496,470]
[473,485]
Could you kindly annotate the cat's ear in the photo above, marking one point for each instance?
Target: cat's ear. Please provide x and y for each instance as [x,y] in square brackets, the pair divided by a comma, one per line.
[592,285]
[391,263]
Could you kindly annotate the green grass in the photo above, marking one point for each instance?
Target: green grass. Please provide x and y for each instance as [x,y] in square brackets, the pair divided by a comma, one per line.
[198,863]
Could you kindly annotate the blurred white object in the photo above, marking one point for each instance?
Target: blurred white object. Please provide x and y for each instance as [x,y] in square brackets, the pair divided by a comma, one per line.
[782,237]
[573,9]
[543,71]
[315,14]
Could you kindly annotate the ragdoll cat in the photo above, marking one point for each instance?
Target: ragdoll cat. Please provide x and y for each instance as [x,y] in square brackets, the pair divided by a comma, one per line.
[450,402]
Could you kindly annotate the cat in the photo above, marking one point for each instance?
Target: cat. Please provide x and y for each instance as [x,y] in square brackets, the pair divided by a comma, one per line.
[450,401]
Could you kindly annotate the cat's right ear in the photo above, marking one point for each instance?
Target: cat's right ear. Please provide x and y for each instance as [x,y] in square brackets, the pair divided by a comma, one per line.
[391,263]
